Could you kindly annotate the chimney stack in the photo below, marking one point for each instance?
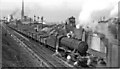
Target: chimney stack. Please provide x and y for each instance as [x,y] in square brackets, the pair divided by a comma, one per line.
[22,12]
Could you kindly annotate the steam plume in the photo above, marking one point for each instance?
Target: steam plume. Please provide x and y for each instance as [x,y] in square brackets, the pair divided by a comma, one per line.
[114,12]
[90,6]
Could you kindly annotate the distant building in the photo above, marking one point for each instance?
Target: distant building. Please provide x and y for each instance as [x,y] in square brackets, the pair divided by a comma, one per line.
[72,21]
[70,24]
[10,18]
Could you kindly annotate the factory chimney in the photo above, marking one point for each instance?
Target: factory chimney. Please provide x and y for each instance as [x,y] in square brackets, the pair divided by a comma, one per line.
[22,12]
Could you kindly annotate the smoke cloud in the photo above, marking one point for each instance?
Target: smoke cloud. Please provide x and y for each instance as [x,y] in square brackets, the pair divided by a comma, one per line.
[114,12]
[91,6]
[15,11]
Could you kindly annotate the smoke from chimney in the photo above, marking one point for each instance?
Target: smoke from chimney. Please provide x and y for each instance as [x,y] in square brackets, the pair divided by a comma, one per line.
[14,12]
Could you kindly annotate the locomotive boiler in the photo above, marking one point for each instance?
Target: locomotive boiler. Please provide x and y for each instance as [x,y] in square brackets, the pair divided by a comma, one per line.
[80,46]
[67,43]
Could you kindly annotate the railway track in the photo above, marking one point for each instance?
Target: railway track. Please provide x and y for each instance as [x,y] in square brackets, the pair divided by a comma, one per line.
[40,52]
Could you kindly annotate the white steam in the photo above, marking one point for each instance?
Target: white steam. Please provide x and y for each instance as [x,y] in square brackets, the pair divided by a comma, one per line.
[90,6]
[114,12]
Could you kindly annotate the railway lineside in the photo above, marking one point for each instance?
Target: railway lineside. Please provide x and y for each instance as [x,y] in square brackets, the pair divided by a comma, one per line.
[39,54]
[31,51]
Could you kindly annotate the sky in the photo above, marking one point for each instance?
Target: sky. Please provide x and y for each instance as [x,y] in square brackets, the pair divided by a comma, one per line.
[54,10]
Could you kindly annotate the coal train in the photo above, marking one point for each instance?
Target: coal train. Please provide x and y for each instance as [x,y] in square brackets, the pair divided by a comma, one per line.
[76,45]
[62,41]
[73,46]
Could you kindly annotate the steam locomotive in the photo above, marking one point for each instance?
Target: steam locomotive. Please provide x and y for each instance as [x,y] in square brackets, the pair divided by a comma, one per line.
[61,40]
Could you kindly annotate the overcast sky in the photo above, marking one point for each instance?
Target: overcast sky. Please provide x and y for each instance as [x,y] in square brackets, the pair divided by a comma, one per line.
[52,10]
